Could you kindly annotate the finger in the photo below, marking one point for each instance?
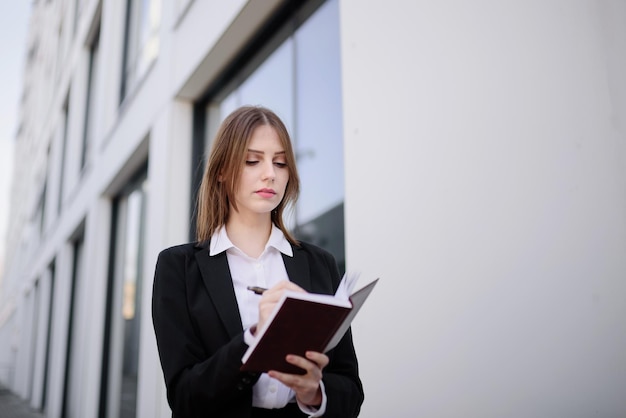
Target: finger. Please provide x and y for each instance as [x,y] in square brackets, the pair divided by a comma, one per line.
[311,369]
[285,378]
[308,365]
[286,285]
[297,382]
[275,293]
[292,286]
[306,386]
[272,296]
[320,359]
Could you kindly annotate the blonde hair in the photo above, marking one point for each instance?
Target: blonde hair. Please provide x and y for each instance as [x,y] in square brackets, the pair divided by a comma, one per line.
[223,169]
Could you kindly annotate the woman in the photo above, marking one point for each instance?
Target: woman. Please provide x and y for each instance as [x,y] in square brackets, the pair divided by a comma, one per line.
[205,317]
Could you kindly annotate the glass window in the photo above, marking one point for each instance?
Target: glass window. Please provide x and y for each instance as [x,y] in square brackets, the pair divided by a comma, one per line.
[271,85]
[88,129]
[124,301]
[73,375]
[318,100]
[40,213]
[33,301]
[300,80]
[51,277]
[143,20]
[64,140]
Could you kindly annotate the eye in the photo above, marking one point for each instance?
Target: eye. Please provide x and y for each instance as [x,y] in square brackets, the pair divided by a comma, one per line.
[251,162]
[280,164]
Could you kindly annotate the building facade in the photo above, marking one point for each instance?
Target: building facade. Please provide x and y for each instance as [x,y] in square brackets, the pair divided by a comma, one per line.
[471,154]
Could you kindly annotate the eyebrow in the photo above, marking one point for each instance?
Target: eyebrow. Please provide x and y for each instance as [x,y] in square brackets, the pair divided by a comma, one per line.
[263,152]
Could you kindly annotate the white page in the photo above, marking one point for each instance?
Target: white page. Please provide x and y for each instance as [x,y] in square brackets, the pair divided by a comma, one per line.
[346,286]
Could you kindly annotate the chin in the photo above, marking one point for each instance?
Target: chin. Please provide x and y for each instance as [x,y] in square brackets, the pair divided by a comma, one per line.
[264,209]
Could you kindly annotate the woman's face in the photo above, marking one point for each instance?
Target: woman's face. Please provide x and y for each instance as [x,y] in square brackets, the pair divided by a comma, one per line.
[265,174]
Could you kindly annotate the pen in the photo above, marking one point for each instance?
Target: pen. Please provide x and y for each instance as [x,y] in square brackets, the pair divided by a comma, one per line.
[256,289]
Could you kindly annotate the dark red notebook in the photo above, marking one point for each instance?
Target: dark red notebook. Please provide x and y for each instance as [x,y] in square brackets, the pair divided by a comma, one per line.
[302,322]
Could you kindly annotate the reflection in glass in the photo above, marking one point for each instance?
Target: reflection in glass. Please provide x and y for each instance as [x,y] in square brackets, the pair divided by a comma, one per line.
[73,372]
[142,40]
[319,118]
[125,319]
[91,101]
[130,258]
[131,301]
[271,85]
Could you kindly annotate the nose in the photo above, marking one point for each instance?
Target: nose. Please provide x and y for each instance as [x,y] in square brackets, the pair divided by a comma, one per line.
[270,172]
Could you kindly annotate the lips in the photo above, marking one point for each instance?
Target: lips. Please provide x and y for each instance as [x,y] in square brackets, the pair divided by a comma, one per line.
[266,193]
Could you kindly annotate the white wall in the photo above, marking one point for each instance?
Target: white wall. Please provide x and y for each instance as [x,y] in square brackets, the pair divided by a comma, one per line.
[485,185]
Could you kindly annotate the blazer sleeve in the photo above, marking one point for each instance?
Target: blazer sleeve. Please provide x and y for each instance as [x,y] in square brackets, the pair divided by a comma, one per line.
[199,383]
[344,389]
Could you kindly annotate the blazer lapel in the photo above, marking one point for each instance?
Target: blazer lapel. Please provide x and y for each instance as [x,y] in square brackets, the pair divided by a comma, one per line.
[298,268]
[217,279]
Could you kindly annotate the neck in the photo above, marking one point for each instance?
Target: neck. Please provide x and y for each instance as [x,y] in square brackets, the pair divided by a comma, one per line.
[249,234]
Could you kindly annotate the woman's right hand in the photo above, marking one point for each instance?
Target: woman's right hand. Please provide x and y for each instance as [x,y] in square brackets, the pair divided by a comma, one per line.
[271,297]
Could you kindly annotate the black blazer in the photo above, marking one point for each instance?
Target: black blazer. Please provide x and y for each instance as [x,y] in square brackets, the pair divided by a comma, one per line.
[200,337]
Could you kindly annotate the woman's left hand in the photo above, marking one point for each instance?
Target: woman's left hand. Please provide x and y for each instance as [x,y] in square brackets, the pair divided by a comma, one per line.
[306,386]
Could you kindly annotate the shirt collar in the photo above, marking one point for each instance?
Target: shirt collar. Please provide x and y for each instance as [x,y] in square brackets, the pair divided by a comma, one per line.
[278,241]
[220,242]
